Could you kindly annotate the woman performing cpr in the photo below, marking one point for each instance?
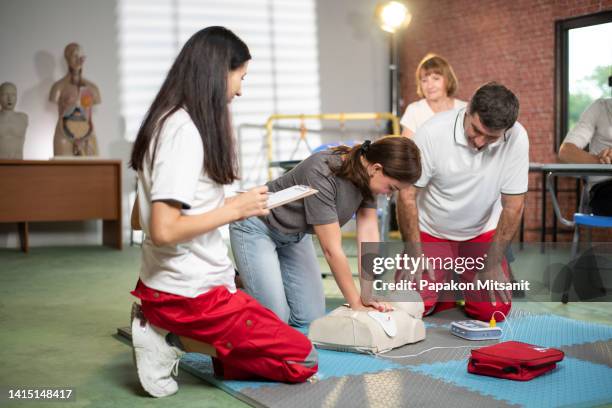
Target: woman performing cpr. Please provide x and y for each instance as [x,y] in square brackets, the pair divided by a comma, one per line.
[275,253]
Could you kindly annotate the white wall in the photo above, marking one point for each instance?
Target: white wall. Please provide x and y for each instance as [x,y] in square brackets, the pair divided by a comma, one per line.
[33,34]
[353,57]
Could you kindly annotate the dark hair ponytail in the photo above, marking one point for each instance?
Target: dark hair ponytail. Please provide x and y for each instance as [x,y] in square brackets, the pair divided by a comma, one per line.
[399,156]
[197,82]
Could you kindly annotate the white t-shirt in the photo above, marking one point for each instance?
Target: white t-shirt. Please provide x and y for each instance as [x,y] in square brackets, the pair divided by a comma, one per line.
[419,112]
[461,186]
[594,129]
[196,266]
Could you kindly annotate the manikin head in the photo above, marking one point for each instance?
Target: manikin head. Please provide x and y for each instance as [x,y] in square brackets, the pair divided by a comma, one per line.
[74,57]
[8,96]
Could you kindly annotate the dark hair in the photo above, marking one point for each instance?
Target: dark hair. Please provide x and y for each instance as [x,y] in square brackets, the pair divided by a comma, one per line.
[496,106]
[435,64]
[197,82]
[399,156]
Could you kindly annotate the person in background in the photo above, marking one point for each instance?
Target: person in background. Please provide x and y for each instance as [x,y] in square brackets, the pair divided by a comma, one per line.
[436,85]
[595,130]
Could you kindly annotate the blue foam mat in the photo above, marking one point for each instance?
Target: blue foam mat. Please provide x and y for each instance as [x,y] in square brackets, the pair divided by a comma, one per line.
[574,383]
[554,331]
[546,330]
[331,364]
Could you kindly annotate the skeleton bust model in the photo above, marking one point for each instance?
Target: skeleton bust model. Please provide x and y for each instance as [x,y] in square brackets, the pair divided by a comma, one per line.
[13,124]
[75,97]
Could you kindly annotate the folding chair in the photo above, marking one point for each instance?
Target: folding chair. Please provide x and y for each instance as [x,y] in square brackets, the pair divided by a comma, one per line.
[583,218]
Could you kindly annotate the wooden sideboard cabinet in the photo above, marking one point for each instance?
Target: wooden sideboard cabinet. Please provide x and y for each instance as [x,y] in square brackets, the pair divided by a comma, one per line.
[62,190]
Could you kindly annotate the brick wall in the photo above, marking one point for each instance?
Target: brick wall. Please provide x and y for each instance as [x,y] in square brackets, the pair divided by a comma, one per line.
[508,41]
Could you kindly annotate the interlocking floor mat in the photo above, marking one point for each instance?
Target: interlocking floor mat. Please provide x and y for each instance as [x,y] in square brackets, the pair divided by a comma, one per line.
[417,375]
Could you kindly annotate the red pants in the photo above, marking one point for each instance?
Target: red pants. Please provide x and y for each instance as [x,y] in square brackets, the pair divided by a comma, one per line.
[477,304]
[251,342]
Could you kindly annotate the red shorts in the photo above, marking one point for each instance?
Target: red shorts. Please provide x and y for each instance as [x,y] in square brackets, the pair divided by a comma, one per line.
[477,304]
[251,342]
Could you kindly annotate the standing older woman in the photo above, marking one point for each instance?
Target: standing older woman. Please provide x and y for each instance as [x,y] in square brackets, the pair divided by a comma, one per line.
[436,84]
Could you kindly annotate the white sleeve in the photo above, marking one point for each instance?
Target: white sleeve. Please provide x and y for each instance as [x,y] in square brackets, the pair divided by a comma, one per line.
[460,104]
[409,118]
[423,141]
[179,162]
[582,133]
[516,168]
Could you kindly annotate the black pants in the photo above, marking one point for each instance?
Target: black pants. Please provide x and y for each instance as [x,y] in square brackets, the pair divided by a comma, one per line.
[600,198]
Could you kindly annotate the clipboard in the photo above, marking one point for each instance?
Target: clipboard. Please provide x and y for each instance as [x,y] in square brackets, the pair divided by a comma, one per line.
[288,195]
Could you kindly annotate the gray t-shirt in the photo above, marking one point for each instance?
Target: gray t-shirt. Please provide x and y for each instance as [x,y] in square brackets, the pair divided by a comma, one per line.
[337,200]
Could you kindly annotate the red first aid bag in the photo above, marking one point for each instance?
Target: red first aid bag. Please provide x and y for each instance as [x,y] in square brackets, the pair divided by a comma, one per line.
[514,360]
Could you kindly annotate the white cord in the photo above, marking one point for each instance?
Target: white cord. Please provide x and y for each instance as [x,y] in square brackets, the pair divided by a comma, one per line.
[429,349]
[450,347]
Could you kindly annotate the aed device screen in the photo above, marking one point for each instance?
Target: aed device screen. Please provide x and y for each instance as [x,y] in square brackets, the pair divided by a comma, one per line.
[470,324]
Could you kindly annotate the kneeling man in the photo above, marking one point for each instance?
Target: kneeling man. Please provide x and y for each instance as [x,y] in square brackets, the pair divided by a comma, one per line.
[469,200]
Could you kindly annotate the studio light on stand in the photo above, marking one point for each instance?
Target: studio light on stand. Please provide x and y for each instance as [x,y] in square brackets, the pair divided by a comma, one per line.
[392,17]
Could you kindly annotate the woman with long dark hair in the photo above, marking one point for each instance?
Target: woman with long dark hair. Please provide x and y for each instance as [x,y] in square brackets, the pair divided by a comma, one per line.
[275,254]
[184,153]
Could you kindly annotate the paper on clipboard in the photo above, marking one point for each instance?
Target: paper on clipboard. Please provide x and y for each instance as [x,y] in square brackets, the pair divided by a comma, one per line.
[288,195]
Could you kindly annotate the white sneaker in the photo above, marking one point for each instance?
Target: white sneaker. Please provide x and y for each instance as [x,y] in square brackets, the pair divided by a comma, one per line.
[155,359]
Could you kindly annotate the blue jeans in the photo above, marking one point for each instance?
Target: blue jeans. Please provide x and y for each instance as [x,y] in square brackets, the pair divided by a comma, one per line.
[280,270]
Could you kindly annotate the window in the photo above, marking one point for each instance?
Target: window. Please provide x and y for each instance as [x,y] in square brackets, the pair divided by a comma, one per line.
[584,64]
[283,75]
